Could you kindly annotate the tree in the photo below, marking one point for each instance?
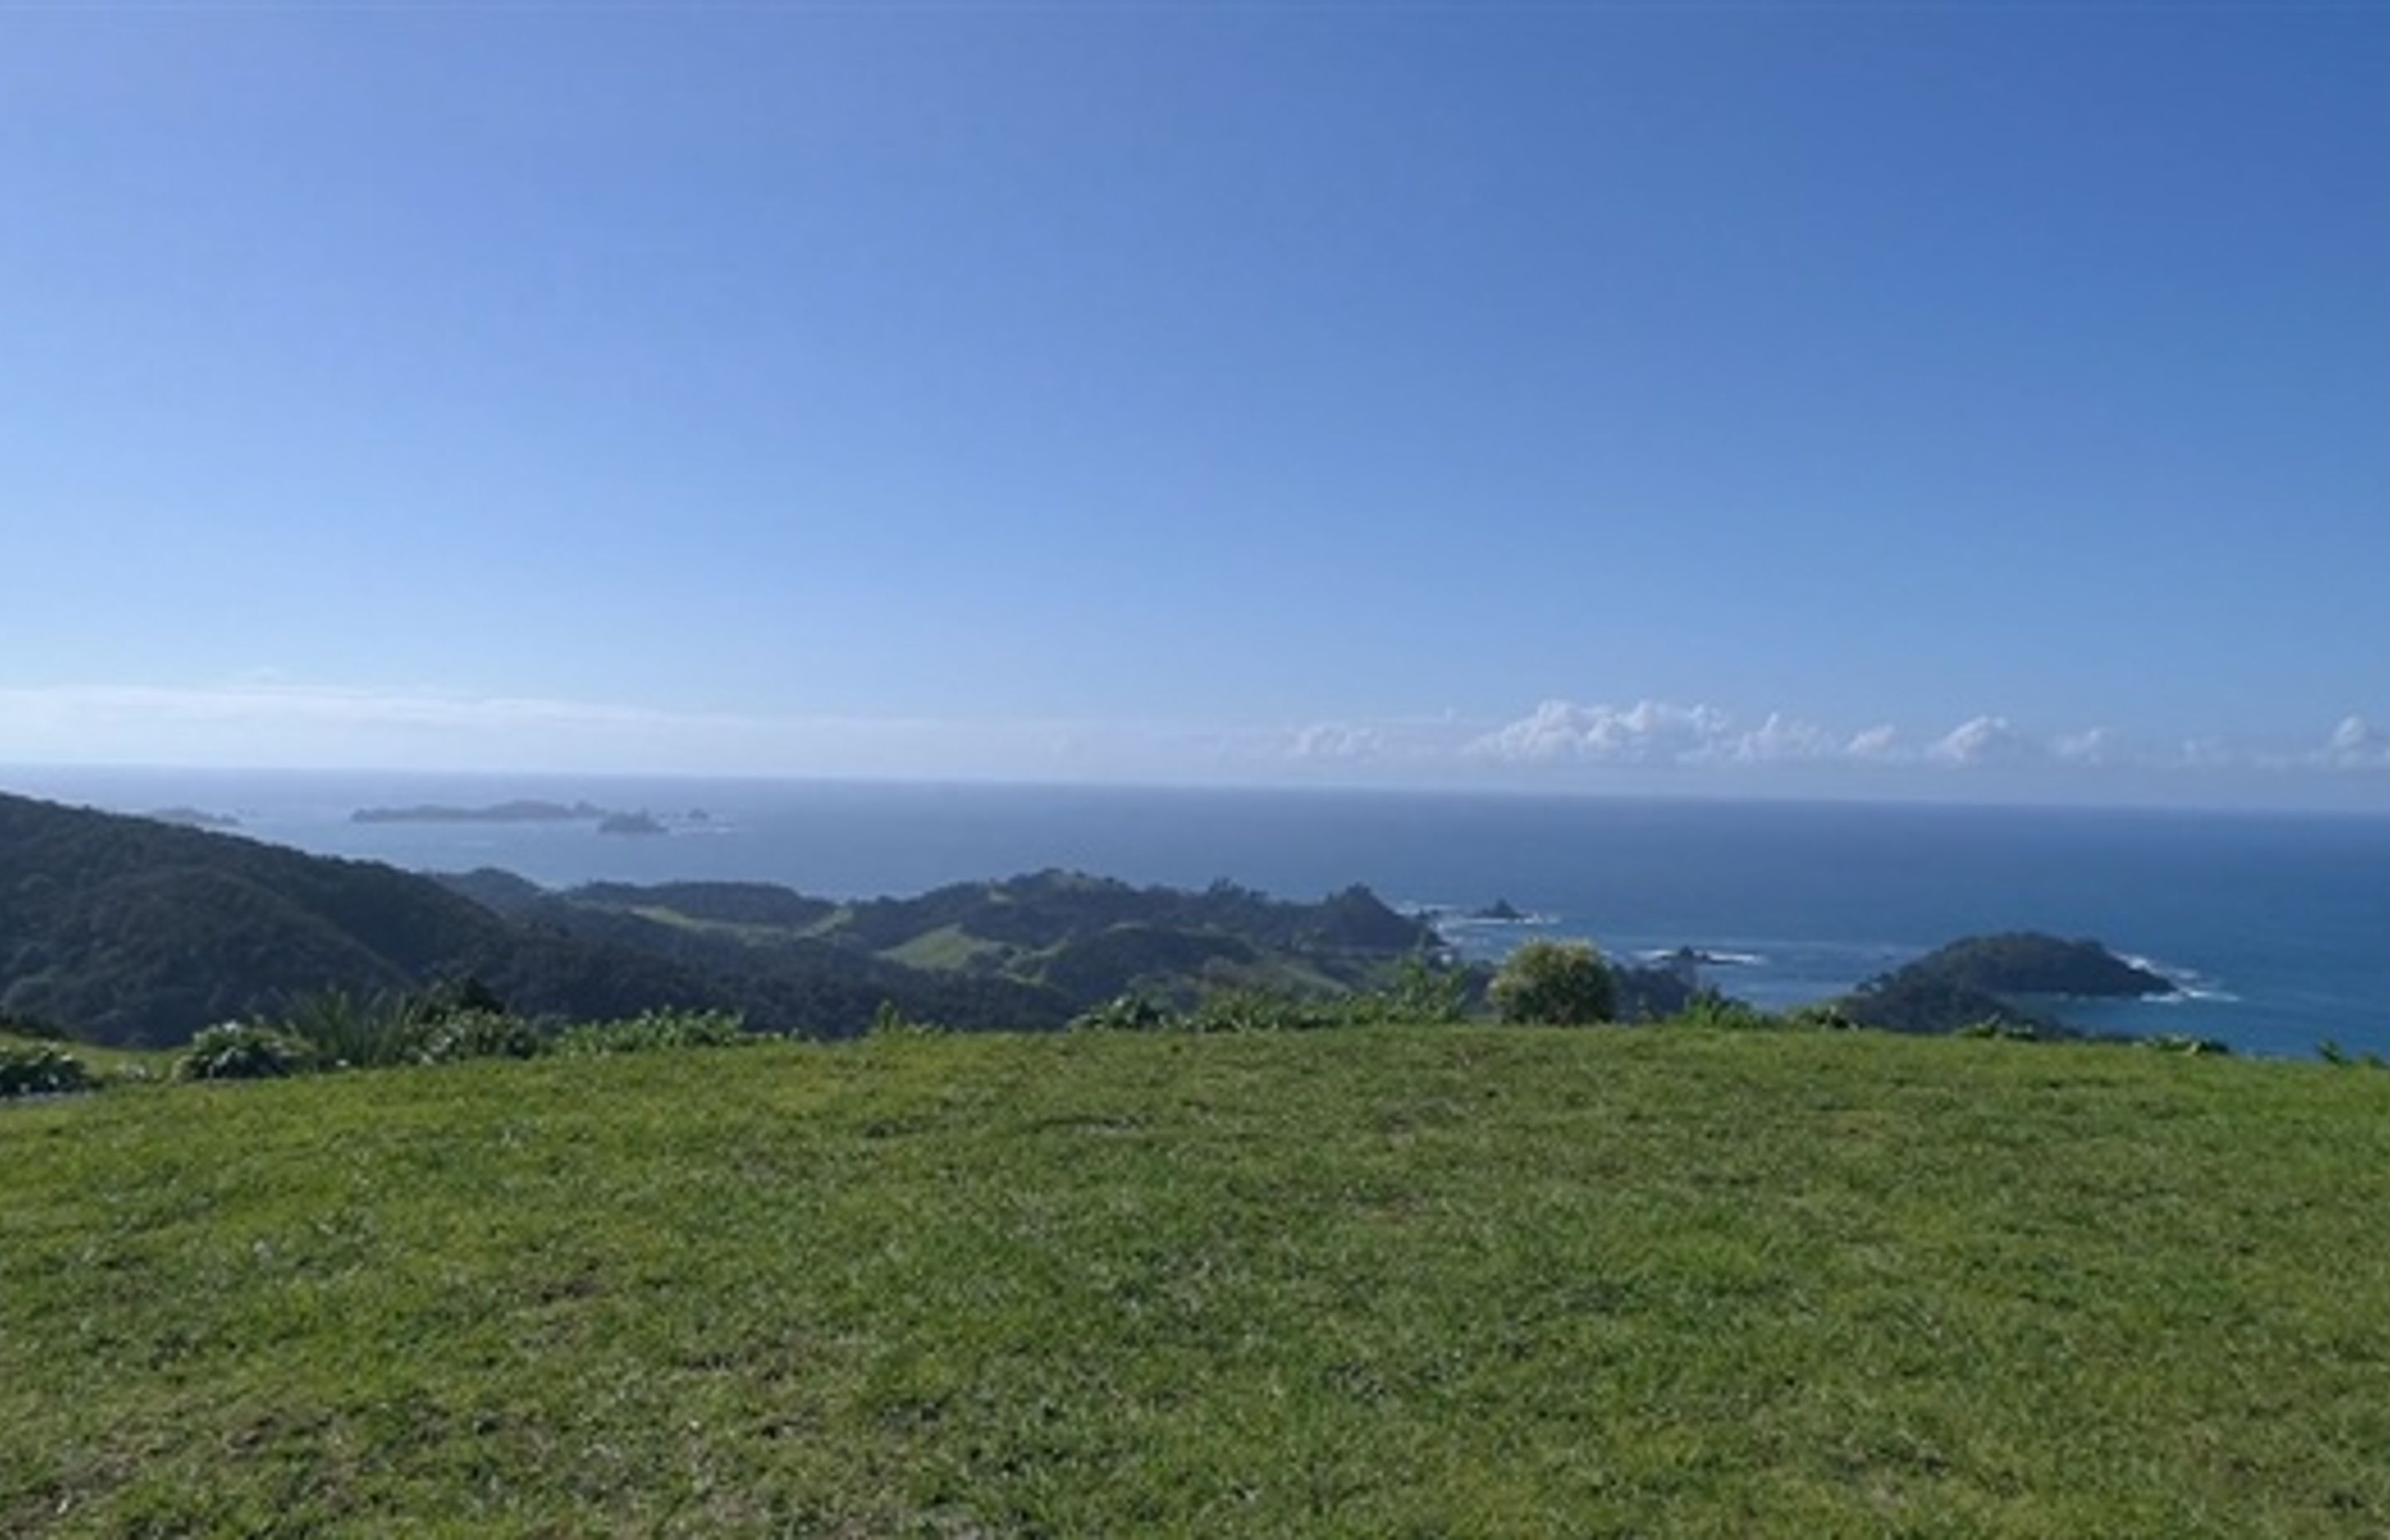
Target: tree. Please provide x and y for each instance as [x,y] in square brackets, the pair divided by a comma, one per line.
[1554,983]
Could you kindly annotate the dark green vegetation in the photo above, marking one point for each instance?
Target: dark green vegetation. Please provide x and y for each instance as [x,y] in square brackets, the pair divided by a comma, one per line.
[1078,939]
[1458,1280]
[40,1069]
[1980,981]
[127,931]
[2025,962]
[194,818]
[1554,983]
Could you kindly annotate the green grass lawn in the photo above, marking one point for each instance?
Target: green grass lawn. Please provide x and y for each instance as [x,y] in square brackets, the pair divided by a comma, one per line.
[1461,1282]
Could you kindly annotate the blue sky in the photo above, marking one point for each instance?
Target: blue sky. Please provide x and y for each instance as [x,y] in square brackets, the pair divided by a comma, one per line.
[1963,401]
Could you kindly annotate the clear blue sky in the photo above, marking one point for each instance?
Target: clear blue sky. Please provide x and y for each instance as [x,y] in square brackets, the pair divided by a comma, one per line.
[1938,400]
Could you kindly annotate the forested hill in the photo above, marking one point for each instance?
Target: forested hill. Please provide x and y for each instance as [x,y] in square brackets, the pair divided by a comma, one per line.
[1050,936]
[131,931]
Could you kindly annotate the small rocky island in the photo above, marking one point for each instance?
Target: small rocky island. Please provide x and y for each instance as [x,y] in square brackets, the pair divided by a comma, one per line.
[1981,979]
[1699,956]
[519,812]
[1500,910]
[629,823]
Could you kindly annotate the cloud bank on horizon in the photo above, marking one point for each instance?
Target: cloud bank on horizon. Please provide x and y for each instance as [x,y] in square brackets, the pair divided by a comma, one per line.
[1560,743]
[1651,732]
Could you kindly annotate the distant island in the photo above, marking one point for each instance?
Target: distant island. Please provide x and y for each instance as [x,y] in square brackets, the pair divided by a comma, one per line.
[1501,910]
[1697,957]
[521,812]
[1986,980]
[629,823]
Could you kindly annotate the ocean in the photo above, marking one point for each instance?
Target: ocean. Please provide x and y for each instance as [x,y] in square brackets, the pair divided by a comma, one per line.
[2277,926]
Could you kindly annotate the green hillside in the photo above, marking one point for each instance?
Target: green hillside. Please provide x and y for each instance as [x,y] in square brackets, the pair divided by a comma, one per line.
[1064,940]
[137,933]
[133,931]
[1410,1282]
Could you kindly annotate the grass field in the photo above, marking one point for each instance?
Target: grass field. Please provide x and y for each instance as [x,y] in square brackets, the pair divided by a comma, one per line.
[1463,1281]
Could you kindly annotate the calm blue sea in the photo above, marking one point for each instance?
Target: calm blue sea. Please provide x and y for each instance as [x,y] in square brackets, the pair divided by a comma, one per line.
[2276,925]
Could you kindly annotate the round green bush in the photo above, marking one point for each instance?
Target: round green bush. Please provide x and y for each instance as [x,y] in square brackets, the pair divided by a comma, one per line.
[1554,983]
[236,1050]
[40,1069]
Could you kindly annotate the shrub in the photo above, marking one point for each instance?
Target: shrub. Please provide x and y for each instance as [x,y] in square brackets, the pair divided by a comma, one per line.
[1819,1018]
[1554,983]
[1719,1012]
[1129,1012]
[890,1020]
[448,1022]
[478,1035]
[40,1069]
[1423,990]
[655,1030]
[2001,1027]
[1257,1010]
[236,1050]
[347,1031]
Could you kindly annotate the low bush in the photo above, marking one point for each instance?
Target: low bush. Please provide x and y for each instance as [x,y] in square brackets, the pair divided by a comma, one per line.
[655,1030]
[1554,983]
[1258,1010]
[1129,1012]
[1817,1017]
[239,1050]
[1999,1027]
[478,1035]
[357,1032]
[1725,1014]
[1423,993]
[888,1020]
[445,1023]
[40,1069]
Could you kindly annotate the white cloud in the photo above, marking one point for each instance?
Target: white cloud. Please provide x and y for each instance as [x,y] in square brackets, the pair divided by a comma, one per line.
[2092,746]
[1337,741]
[1649,732]
[1782,738]
[2356,744]
[1652,733]
[1875,743]
[1984,740]
[266,719]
